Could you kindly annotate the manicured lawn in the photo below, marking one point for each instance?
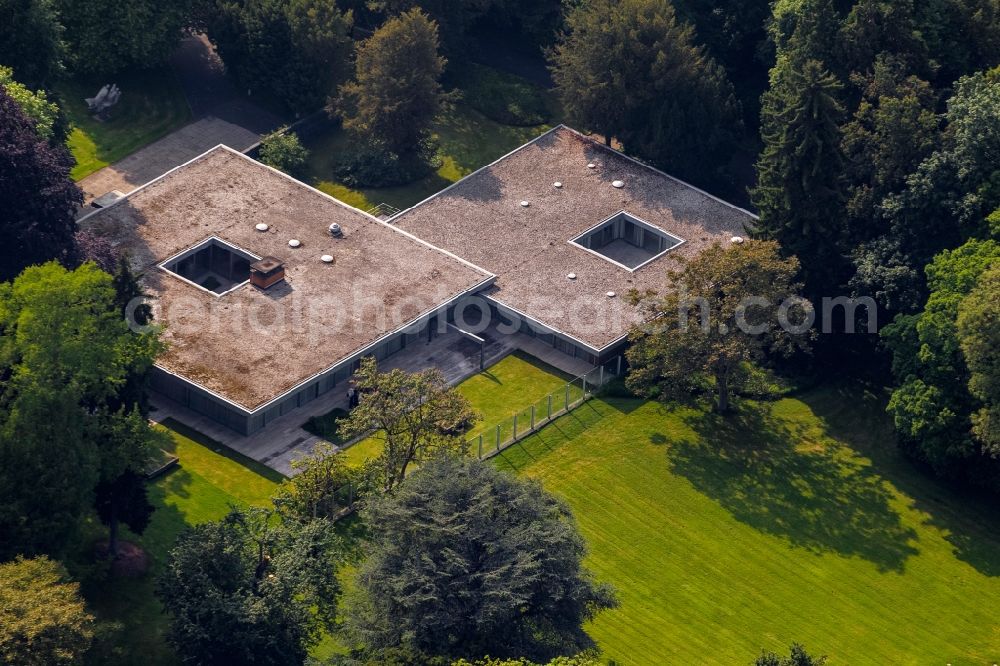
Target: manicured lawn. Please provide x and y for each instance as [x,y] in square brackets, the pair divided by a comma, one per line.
[152,105]
[792,521]
[209,479]
[514,383]
[468,140]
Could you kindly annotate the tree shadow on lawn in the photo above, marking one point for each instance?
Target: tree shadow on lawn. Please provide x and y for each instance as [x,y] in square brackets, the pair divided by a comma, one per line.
[784,482]
[969,521]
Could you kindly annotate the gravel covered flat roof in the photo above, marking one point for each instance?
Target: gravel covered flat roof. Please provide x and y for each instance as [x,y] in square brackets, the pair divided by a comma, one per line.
[481,218]
[251,346]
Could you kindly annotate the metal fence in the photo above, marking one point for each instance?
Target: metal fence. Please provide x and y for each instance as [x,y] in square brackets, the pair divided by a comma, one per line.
[492,440]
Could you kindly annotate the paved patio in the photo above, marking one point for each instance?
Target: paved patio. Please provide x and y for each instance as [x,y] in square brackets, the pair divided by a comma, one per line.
[283,439]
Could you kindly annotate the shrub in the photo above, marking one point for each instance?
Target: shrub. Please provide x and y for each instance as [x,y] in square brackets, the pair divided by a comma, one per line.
[372,164]
[282,150]
[503,97]
[325,425]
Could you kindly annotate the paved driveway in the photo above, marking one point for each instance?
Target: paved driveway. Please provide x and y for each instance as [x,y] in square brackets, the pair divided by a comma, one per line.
[163,155]
[221,114]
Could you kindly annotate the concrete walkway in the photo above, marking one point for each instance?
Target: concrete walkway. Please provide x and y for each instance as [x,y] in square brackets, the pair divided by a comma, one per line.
[221,116]
[163,155]
[284,439]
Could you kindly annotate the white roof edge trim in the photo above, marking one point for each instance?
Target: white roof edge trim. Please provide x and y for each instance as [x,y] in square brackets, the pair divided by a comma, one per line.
[486,282]
[541,323]
[340,203]
[659,171]
[482,168]
[369,216]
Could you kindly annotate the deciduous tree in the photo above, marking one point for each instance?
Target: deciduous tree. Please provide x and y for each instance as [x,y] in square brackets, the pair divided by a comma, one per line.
[946,199]
[455,17]
[65,350]
[723,310]
[320,486]
[283,151]
[38,199]
[43,620]
[414,415]
[46,115]
[105,36]
[396,92]
[466,560]
[932,406]
[31,41]
[893,129]
[631,70]
[293,51]
[127,445]
[979,337]
[250,590]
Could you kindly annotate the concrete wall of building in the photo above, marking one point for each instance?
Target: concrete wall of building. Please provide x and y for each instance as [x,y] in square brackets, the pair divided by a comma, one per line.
[199,400]
[247,423]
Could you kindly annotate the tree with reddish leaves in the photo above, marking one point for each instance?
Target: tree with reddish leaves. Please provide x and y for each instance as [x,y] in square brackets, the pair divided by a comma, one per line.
[37,198]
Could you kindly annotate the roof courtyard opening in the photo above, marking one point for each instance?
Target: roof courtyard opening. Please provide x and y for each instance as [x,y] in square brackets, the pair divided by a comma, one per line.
[213,265]
[627,241]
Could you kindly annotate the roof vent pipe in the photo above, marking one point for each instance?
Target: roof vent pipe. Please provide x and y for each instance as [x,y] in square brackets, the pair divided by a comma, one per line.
[336,231]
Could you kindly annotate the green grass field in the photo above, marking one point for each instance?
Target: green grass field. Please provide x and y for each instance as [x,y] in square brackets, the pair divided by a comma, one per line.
[496,393]
[209,479]
[468,141]
[792,521]
[152,105]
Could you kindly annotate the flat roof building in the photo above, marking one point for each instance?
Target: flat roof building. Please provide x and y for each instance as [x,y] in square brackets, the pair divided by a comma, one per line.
[270,292]
[563,221]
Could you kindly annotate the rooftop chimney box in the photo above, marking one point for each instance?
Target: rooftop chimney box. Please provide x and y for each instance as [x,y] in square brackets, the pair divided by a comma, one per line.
[266,272]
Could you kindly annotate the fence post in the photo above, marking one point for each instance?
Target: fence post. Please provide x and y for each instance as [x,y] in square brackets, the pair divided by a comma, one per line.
[480,446]
[584,397]
[567,397]
[514,438]
[600,380]
[618,367]
[548,417]
[532,417]
[498,437]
